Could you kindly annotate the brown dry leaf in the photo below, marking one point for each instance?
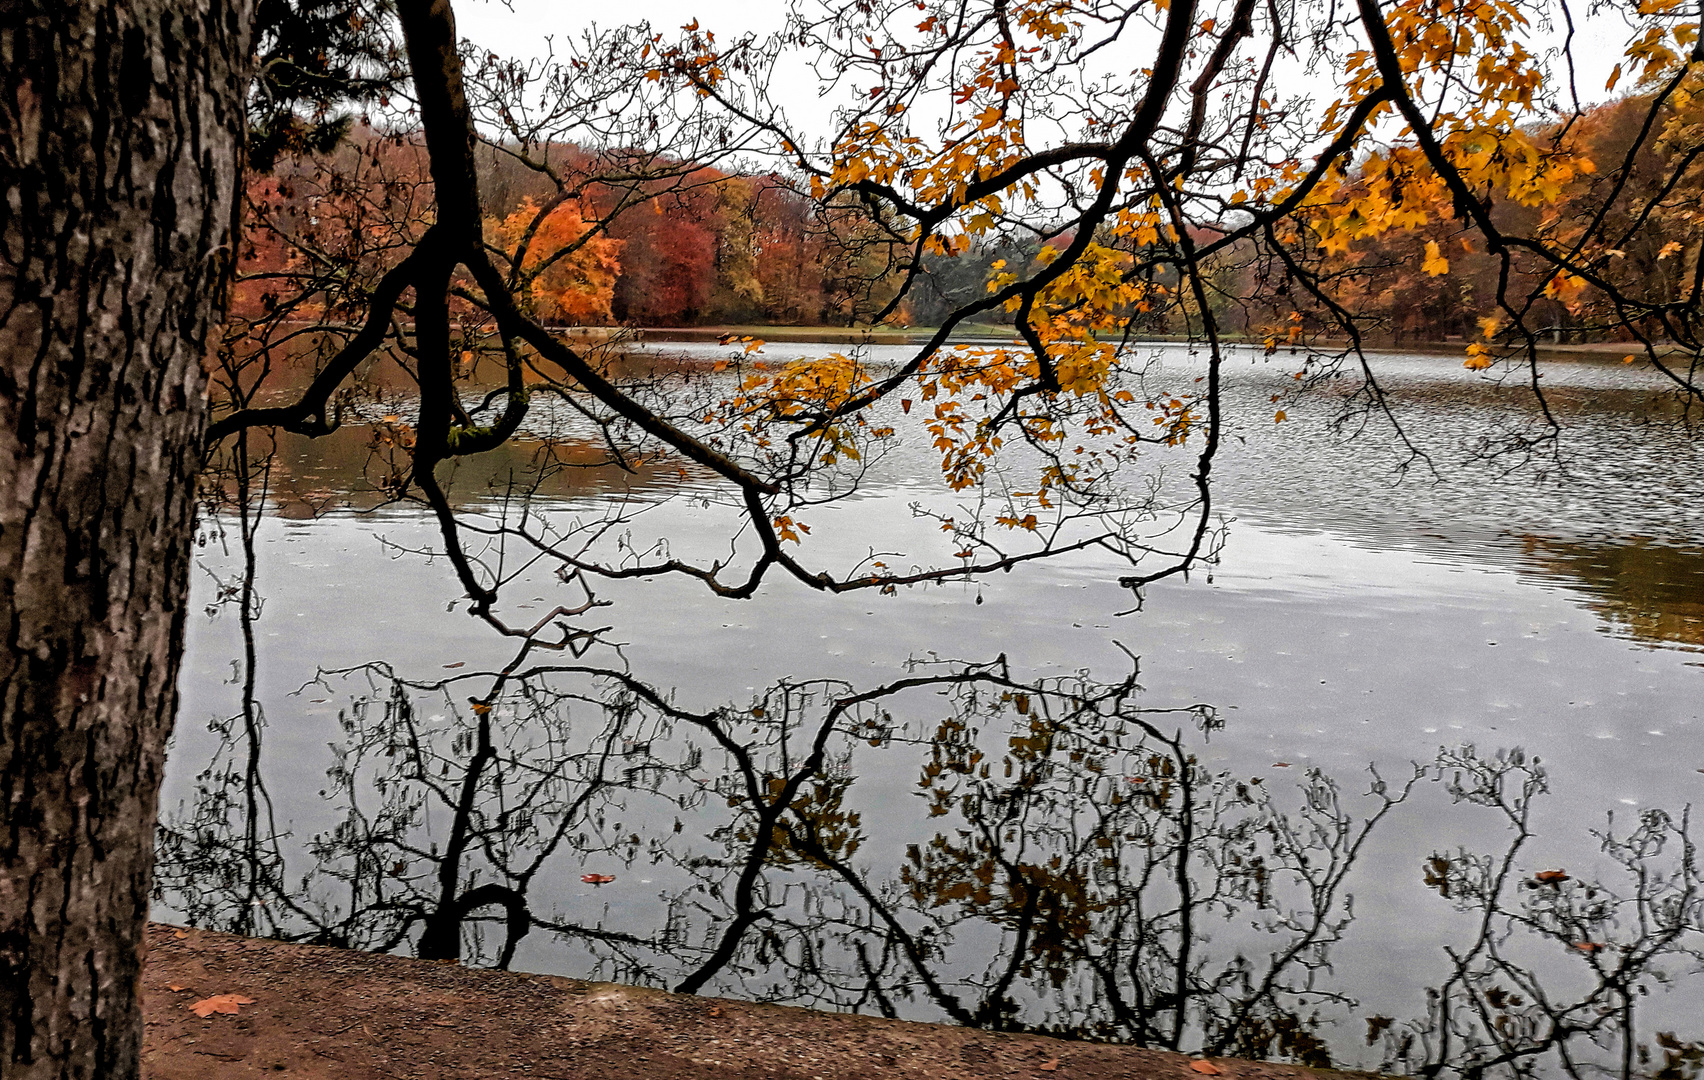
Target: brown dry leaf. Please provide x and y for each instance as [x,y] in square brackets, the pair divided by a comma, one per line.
[1206,1067]
[457,664]
[444,1023]
[179,934]
[1588,946]
[220,1003]
[175,988]
[1049,1066]
[597,879]
[715,1010]
[1280,764]
[1551,877]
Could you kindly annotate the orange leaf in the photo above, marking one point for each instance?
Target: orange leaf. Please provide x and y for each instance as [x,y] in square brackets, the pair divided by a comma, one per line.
[220,1003]
[1551,877]
[1206,1067]
[597,879]
[1049,1066]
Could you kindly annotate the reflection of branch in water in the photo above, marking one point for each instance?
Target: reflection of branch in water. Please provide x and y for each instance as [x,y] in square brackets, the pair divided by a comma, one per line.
[1507,1009]
[1074,854]
[503,785]
[1092,847]
[231,785]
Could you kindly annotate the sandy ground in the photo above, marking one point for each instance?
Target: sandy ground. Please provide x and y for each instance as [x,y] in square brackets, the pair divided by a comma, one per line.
[339,1015]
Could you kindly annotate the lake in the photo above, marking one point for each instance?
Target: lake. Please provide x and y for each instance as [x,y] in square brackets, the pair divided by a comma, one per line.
[1401,781]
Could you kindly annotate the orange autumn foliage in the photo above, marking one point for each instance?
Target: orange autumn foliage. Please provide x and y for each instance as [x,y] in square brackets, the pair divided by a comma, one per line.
[568,273]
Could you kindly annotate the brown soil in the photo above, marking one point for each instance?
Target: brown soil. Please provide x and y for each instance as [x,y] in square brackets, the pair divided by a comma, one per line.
[332,1014]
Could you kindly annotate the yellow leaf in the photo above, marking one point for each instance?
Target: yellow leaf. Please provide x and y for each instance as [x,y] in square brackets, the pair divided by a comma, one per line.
[1435,263]
[1488,325]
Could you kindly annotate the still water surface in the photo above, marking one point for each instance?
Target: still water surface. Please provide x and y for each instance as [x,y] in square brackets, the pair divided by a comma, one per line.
[1395,740]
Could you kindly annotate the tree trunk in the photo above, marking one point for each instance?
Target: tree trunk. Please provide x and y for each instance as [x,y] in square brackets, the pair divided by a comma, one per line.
[120,141]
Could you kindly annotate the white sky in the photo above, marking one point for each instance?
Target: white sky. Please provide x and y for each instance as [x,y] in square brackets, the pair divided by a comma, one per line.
[520,28]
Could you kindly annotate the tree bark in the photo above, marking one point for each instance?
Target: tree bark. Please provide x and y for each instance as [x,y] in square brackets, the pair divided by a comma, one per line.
[121,126]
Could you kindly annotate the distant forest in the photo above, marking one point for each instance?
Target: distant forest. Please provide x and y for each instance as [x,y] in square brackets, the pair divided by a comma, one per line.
[603,240]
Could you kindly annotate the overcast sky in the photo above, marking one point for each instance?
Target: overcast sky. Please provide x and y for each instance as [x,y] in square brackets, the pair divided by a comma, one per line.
[520,28]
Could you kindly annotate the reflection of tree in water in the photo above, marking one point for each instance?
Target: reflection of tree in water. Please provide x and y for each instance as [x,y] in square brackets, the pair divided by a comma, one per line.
[1650,592]
[1508,1006]
[1072,865]
[1081,851]
[1076,869]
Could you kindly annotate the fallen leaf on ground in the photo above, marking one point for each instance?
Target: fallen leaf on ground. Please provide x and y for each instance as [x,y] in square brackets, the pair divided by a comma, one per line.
[1049,1066]
[715,1010]
[597,879]
[1588,946]
[457,664]
[444,1023]
[175,988]
[1206,1067]
[1280,764]
[220,1003]
[1551,877]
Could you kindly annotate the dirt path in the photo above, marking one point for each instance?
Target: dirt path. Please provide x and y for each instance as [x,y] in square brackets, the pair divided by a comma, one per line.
[338,1015]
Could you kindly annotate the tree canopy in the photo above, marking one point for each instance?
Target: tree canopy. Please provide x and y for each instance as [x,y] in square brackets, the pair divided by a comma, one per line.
[1104,174]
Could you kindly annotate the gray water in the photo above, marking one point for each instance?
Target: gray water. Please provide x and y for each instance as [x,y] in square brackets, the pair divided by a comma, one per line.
[1369,609]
